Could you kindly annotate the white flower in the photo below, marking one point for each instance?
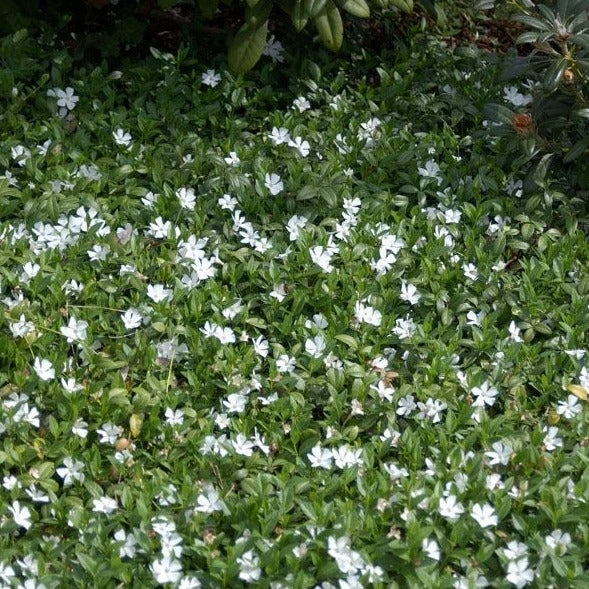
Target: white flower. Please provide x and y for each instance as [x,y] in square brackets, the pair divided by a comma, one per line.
[131,318]
[121,137]
[261,346]
[320,457]
[76,331]
[232,160]
[551,440]
[80,428]
[519,574]
[189,583]
[210,78]
[500,454]
[98,253]
[249,567]
[515,550]
[44,369]
[516,98]
[385,392]
[431,170]
[431,409]
[404,328]
[71,471]
[300,145]
[569,408]
[285,363]
[450,508]
[322,256]
[409,293]
[22,327]
[279,135]
[106,505]
[235,402]
[66,98]
[242,446]
[368,314]
[273,183]
[29,271]
[485,395]
[348,561]
[109,433]
[346,456]
[274,50]
[474,319]
[159,293]
[166,570]
[558,541]
[431,548]
[186,197]
[515,332]
[484,515]
[21,515]
[149,199]
[470,271]
[315,346]
[225,335]
[174,417]
[209,501]
[129,544]
[279,292]
[406,405]
[301,104]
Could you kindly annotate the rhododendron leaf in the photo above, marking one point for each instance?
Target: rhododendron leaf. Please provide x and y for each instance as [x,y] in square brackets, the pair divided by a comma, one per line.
[329,24]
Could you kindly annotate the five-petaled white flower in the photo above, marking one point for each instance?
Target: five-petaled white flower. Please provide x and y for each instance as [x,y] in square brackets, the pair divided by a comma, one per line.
[484,515]
[210,78]
[274,184]
[44,369]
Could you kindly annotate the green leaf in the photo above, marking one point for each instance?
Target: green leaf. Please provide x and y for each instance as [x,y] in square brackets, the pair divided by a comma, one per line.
[542,169]
[208,7]
[577,150]
[404,5]
[313,7]
[348,340]
[534,23]
[330,26]
[554,74]
[246,48]
[358,8]
[299,15]
[87,562]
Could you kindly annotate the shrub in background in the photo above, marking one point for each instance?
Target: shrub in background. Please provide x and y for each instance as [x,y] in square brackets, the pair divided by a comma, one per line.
[249,17]
[554,125]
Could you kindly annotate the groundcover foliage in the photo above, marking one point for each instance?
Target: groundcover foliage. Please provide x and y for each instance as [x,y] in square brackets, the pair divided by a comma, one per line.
[311,337]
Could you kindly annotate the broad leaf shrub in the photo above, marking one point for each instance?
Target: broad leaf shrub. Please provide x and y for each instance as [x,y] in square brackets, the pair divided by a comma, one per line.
[322,344]
[244,22]
[545,117]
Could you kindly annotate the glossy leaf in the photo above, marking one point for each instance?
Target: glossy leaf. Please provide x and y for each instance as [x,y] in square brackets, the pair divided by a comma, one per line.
[247,45]
[358,8]
[330,26]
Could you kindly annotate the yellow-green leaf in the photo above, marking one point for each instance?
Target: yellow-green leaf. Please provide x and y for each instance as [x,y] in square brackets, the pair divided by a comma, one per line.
[404,5]
[135,423]
[358,8]
[578,391]
[313,7]
[329,24]
[299,15]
